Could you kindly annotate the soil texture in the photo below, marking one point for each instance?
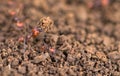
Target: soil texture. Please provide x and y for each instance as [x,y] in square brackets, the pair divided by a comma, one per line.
[59,38]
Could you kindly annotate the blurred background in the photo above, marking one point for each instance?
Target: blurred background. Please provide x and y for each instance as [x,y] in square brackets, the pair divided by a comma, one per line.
[102,16]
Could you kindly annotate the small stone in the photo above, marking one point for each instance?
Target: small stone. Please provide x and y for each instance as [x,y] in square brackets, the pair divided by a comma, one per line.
[116,73]
[65,46]
[81,13]
[101,56]
[6,71]
[99,74]
[22,69]
[114,55]
[118,62]
[91,49]
[15,62]
[107,41]
[78,55]
[70,58]
[61,39]
[71,72]
[40,58]
[40,73]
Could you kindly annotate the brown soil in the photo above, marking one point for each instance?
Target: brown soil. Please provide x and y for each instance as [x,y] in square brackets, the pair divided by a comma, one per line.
[84,39]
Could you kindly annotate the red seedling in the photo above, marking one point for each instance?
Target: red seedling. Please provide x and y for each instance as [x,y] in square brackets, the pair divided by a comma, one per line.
[21,39]
[12,13]
[104,2]
[19,24]
[52,50]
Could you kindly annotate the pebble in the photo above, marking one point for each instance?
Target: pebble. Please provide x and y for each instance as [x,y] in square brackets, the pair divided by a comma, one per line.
[114,55]
[101,55]
[40,58]
[22,69]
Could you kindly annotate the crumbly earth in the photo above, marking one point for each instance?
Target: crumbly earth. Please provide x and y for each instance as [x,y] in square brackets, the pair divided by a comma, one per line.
[83,41]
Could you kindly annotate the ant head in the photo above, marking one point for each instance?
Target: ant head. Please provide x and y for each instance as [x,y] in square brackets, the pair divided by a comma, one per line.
[35,32]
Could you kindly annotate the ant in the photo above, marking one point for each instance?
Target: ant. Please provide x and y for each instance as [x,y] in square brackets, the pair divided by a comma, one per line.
[43,25]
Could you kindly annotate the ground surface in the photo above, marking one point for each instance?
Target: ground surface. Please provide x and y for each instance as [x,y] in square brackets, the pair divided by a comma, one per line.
[84,39]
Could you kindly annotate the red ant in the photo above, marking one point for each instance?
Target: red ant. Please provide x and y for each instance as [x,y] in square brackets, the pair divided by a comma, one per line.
[43,26]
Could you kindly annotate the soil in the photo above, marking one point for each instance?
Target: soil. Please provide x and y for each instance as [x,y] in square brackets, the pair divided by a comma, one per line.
[76,38]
